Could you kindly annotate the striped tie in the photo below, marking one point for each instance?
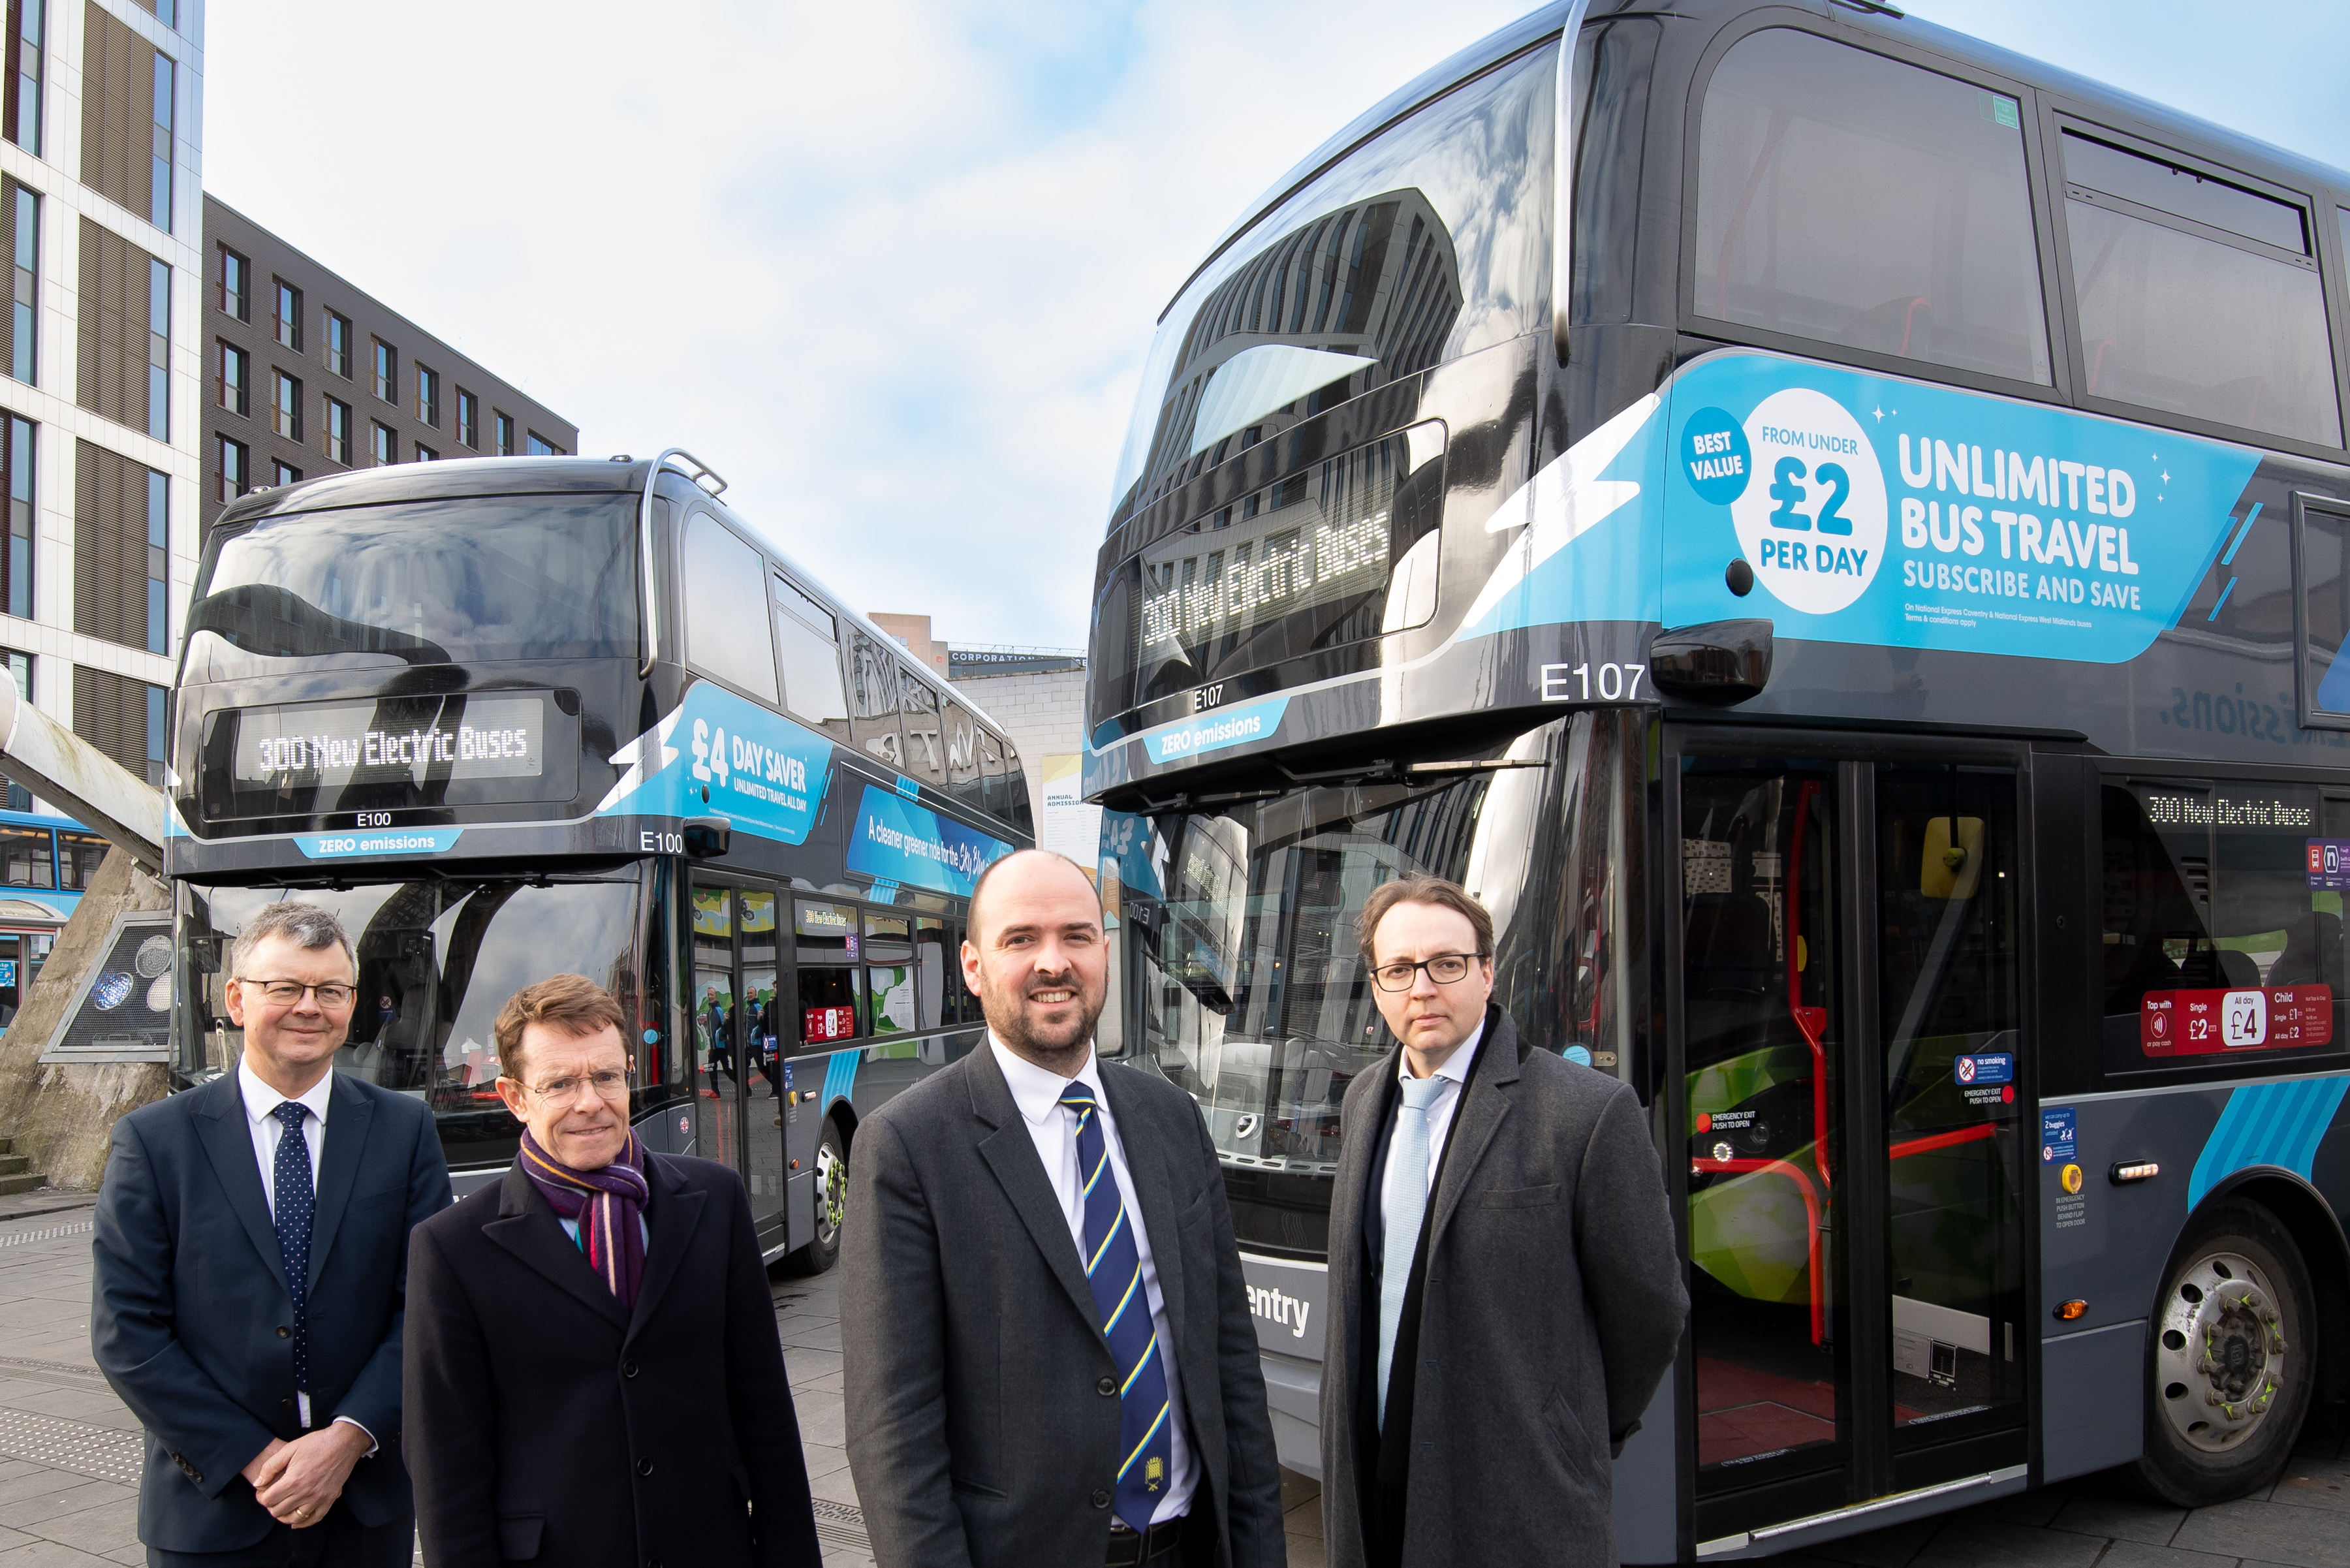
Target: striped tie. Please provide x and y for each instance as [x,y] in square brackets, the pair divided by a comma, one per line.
[1114,1270]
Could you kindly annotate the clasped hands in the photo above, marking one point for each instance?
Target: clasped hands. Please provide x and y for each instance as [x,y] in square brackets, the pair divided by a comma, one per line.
[298,1482]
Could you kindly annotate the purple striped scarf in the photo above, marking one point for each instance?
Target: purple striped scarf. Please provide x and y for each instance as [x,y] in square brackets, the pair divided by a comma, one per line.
[606,1205]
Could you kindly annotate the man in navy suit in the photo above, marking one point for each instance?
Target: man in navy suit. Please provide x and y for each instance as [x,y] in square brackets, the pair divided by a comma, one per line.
[251,1276]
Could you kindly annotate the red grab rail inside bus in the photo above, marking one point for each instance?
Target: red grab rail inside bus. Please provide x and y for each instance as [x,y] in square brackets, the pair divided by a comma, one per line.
[1812,1022]
[1809,1195]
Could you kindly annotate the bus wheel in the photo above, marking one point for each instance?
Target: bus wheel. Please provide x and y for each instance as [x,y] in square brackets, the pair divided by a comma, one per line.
[831,1204]
[2232,1360]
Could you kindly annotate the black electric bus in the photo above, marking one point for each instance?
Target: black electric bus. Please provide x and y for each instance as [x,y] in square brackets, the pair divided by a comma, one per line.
[513,717]
[1839,536]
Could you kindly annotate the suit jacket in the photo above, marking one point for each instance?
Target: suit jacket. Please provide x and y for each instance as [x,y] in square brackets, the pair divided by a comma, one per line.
[1551,1306]
[982,1402]
[189,1309]
[547,1425]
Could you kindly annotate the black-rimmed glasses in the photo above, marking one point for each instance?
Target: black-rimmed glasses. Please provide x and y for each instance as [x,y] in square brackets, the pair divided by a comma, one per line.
[1444,969]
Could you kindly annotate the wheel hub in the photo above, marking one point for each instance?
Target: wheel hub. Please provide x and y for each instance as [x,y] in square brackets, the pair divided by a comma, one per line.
[2220,1362]
[832,1186]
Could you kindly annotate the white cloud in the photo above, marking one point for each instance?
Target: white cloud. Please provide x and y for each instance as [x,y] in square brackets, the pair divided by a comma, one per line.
[891,267]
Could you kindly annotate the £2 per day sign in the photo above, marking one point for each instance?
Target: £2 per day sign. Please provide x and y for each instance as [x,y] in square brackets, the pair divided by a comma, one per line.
[1873,510]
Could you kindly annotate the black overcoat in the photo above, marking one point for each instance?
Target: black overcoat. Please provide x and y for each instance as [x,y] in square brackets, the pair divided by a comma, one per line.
[545,1425]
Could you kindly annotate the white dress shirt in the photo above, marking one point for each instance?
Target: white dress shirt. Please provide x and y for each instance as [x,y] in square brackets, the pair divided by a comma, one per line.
[261,1102]
[1053,1127]
[1455,1073]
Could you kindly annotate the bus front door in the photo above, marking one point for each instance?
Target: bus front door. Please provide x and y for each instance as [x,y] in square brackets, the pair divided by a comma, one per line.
[1855,1101]
[736,1058]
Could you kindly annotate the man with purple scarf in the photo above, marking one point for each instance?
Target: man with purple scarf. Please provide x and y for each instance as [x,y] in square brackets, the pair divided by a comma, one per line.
[593,1377]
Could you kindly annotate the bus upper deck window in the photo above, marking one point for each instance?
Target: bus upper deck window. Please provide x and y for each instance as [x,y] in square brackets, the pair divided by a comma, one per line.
[1851,198]
[725,614]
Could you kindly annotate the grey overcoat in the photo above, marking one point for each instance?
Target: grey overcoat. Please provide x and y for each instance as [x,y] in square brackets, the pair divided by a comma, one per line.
[1553,1303]
[982,1417]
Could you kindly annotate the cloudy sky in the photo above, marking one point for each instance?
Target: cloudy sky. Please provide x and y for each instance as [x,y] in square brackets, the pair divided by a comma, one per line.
[891,267]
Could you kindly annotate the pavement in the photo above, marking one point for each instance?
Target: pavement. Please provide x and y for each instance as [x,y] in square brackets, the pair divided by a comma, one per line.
[69,1455]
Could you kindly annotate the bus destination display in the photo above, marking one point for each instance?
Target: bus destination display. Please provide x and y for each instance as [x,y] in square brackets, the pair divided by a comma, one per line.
[333,743]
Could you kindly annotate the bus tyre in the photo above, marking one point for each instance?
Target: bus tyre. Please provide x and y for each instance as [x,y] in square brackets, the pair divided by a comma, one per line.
[2231,1361]
[831,1204]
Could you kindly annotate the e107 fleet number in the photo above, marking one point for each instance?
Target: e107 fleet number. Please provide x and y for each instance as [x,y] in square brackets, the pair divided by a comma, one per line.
[1582,683]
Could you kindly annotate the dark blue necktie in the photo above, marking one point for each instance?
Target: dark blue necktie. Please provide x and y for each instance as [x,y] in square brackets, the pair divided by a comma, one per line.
[295,1203]
[1114,1271]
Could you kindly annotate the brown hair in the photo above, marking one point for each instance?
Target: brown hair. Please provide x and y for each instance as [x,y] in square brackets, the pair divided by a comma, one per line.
[571,1003]
[1418,888]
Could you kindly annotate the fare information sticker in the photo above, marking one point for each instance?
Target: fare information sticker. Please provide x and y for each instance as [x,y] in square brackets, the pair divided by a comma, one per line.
[2212,1022]
[333,743]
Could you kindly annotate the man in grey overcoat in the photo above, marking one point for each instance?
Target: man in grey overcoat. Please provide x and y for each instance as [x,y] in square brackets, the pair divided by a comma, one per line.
[1047,1351]
[1506,1291]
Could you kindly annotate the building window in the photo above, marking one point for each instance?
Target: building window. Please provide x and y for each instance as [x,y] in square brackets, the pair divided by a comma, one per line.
[426,454]
[387,444]
[24,216]
[235,471]
[502,425]
[285,405]
[231,381]
[469,412]
[166,12]
[542,447]
[159,192]
[283,473]
[387,372]
[158,563]
[235,283]
[339,432]
[121,717]
[428,395]
[17,565]
[159,351]
[23,107]
[288,322]
[339,345]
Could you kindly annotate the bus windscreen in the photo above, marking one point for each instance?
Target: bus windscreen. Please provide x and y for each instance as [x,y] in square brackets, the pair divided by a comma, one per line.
[475,579]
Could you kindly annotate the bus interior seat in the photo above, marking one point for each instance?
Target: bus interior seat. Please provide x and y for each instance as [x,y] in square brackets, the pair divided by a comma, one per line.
[2237,970]
[1726,944]
[2313,953]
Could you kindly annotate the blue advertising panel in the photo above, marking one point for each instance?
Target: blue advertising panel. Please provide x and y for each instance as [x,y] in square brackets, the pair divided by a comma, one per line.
[718,755]
[1873,510]
[896,840]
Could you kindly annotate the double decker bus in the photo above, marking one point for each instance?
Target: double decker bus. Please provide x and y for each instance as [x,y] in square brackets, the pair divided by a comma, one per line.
[46,865]
[1839,536]
[509,718]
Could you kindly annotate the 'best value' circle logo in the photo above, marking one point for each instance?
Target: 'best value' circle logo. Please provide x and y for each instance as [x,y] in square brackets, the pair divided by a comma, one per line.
[1812,521]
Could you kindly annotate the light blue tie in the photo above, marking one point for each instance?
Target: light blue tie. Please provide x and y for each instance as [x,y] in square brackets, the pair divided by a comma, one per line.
[1407,1187]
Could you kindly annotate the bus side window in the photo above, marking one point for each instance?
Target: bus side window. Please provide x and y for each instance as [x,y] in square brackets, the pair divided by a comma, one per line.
[809,641]
[964,778]
[725,615]
[2325,600]
[1017,808]
[1829,184]
[918,712]
[2220,937]
[79,855]
[24,857]
[2197,296]
[990,763]
[873,702]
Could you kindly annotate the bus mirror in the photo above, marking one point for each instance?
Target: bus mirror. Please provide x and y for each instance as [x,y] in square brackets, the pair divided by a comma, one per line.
[706,837]
[1720,663]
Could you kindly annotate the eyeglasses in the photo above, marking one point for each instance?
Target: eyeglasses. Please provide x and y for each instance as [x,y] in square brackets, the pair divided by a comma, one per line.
[1443,969]
[610,1083]
[286,992]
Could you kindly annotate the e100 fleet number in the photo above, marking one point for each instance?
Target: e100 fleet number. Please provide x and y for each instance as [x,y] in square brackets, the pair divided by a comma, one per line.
[1583,682]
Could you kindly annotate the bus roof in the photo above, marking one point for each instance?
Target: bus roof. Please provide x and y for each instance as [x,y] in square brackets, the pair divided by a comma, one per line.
[2252,155]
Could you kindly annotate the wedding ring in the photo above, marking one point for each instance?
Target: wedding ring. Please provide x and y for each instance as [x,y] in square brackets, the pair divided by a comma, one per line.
[301,1513]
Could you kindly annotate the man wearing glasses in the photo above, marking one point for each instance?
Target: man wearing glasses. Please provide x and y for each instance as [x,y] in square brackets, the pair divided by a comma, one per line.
[594,1377]
[1505,1292]
[251,1261]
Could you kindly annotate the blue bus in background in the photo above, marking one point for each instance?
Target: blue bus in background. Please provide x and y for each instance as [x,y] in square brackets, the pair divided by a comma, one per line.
[47,862]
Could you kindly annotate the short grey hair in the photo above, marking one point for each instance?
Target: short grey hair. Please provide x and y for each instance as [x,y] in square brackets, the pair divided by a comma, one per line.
[306,926]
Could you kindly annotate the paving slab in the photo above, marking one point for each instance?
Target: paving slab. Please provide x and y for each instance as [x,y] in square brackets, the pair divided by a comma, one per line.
[2272,1532]
[1991,1543]
[2137,1554]
[2119,1517]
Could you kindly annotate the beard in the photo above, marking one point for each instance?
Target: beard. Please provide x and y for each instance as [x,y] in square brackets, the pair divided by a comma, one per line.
[1056,1037]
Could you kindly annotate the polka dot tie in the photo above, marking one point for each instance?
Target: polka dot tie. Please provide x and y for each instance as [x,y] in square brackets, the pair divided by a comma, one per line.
[295,1203]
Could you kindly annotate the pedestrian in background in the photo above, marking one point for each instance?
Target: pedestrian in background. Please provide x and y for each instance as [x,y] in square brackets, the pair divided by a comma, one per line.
[1047,1341]
[251,1262]
[1505,1290]
[594,1376]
